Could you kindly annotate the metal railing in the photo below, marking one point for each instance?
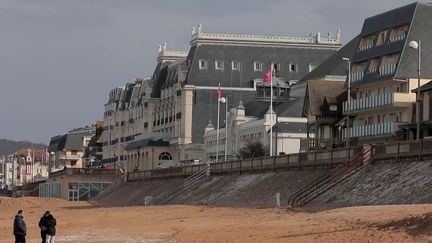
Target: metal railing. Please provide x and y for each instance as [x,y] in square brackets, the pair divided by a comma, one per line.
[387,69]
[281,162]
[324,183]
[82,171]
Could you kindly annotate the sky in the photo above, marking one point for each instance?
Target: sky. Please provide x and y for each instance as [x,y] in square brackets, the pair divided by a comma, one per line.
[60,58]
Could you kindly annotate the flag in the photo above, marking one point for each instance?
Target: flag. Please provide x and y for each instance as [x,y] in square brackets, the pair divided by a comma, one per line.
[219,92]
[267,76]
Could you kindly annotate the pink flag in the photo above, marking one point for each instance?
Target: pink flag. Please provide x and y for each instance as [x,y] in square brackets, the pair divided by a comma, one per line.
[267,76]
[219,91]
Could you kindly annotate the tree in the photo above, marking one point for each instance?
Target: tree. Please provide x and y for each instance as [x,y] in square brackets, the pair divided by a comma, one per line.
[252,149]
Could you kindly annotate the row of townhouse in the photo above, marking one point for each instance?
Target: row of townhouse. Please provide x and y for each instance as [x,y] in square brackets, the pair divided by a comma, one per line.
[26,165]
[383,80]
[163,120]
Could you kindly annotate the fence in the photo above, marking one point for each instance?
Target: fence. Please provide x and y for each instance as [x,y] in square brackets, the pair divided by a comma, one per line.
[281,162]
[82,171]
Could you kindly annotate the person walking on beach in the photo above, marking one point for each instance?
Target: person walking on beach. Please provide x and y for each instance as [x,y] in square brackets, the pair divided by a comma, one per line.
[43,226]
[20,228]
[51,228]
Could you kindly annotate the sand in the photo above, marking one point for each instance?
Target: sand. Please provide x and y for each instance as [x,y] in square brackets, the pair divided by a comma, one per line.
[84,222]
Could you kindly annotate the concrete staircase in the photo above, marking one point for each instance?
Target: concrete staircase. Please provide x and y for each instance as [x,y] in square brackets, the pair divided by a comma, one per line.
[188,183]
[110,189]
[336,176]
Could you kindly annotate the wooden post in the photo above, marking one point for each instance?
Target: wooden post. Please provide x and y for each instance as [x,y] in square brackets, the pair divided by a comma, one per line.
[315,156]
[261,161]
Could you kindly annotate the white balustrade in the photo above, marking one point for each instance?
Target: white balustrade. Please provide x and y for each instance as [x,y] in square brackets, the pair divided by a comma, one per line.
[371,130]
[397,38]
[387,69]
[370,102]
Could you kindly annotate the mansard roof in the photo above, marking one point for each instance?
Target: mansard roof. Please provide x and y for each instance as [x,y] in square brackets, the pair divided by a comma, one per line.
[246,56]
[283,108]
[334,65]
[416,17]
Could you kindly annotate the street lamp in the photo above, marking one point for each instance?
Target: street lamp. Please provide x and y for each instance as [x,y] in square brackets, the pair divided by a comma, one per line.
[348,100]
[416,45]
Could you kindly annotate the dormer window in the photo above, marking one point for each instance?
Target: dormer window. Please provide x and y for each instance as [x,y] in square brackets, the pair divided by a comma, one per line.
[292,67]
[398,34]
[333,107]
[202,64]
[235,65]
[366,42]
[257,66]
[312,66]
[219,65]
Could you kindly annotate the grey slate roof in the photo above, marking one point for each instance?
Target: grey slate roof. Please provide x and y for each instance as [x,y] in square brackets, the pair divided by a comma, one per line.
[246,55]
[74,141]
[290,127]
[334,65]
[318,90]
[417,17]
[283,108]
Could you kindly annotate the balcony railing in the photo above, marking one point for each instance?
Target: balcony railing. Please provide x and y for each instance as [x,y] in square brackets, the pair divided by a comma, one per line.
[357,76]
[380,129]
[69,157]
[397,38]
[387,69]
[365,47]
[380,101]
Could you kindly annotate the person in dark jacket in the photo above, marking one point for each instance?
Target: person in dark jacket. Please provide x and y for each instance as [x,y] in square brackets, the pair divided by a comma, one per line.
[43,226]
[20,228]
[51,228]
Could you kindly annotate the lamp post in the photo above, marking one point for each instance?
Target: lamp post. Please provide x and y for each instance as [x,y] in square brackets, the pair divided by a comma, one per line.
[416,45]
[348,100]
[225,101]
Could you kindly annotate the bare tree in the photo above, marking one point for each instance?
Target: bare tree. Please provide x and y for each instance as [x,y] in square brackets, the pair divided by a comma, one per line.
[253,149]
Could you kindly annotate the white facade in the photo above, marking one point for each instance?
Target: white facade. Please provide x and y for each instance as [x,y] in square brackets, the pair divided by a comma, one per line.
[243,128]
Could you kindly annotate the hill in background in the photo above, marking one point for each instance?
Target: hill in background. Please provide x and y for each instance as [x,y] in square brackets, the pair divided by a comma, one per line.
[10,146]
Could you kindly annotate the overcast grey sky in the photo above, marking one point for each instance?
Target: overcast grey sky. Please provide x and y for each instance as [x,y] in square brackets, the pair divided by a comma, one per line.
[60,58]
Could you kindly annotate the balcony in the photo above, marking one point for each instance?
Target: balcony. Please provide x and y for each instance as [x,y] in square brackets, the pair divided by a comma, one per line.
[379,101]
[381,129]
[397,38]
[373,73]
[387,69]
[69,157]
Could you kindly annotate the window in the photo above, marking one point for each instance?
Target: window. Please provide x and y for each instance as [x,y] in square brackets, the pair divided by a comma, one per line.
[257,66]
[293,68]
[219,65]
[276,67]
[145,124]
[235,65]
[202,64]
[312,66]
[165,156]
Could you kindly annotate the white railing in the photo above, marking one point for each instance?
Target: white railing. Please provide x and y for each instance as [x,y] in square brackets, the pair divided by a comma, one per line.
[397,38]
[365,47]
[197,33]
[70,157]
[375,101]
[357,76]
[387,69]
[379,129]
[379,101]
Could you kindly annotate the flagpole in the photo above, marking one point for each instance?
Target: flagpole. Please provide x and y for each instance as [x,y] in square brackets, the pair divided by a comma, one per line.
[271,109]
[226,127]
[217,130]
